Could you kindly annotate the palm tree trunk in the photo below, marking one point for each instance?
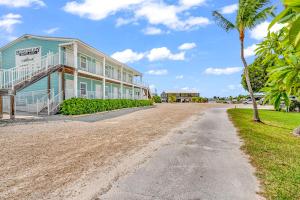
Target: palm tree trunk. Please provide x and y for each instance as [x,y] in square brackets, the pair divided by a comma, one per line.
[246,72]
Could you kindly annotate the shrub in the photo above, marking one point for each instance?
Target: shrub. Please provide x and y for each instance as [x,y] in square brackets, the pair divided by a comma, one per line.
[156,99]
[78,106]
[295,106]
[199,100]
[171,99]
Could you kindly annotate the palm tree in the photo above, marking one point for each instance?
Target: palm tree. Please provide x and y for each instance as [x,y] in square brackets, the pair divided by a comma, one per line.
[249,14]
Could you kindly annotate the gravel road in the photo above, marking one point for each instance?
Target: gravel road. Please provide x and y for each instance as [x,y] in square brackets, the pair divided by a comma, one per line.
[70,159]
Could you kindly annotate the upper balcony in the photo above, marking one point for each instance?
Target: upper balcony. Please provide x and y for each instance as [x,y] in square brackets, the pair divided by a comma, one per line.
[91,61]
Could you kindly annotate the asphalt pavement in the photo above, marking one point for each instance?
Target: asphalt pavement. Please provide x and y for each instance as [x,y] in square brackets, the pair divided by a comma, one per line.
[203,161]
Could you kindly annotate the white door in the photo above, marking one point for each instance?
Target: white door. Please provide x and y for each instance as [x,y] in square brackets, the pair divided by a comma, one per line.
[98,68]
[115,92]
[69,89]
[98,91]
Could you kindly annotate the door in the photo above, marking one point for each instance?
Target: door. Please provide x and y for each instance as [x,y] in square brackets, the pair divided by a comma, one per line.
[98,91]
[98,68]
[116,91]
[69,89]
[83,90]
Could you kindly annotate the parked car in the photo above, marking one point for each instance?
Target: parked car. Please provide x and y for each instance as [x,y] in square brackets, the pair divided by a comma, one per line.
[248,101]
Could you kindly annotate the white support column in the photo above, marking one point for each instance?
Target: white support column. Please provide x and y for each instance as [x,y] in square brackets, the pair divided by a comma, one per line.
[59,55]
[75,55]
[75,52]
[141,93]
[122,95]
[60,85]
[75,83]
[147,93]
[133,93]
[104,80]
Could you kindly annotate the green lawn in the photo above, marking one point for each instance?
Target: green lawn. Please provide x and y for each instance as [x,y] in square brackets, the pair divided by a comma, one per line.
[274,151]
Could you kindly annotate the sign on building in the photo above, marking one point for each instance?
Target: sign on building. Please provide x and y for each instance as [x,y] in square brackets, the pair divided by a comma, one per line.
[28,57]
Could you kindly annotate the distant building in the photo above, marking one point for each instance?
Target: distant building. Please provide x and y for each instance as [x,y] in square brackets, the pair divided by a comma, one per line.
[181,96]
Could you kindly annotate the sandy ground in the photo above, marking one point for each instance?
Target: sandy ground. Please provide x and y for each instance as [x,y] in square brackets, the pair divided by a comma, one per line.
[75,159]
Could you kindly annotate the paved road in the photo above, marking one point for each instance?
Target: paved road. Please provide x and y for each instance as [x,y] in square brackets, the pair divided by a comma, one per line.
[202,162]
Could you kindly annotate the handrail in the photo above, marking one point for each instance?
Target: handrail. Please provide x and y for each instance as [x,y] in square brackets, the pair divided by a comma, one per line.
[55,102]
[42,100]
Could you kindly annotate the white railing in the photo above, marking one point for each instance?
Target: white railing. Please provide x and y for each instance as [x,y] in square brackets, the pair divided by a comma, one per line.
[13,76]
[41,104]
[54,102]
[68,59]
[140,84]
[91,67]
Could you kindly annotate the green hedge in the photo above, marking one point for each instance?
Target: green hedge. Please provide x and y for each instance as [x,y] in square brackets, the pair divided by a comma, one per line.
[156,99]
[78,106]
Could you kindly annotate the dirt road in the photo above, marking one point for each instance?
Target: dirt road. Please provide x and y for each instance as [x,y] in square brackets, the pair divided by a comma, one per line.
[75,159]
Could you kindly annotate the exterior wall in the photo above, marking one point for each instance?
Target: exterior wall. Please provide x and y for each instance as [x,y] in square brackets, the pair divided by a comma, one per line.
[8,60]
[8,55]
[91,83]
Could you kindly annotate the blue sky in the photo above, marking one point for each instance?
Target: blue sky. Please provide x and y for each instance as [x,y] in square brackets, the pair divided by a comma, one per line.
[175,43]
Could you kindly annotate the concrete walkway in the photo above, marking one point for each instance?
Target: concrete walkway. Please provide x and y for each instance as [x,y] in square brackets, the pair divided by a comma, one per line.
[201,162]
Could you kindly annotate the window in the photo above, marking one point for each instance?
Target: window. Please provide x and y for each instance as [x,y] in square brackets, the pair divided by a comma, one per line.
[83,89]
[130,78]
[82,62]
[119,74]
[124,76]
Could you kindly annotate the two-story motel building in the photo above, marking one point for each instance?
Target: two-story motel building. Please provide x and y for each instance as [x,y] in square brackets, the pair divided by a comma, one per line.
[37,73]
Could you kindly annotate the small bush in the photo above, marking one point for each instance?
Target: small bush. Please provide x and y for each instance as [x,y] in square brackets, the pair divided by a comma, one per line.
[199,100]
[171,99]
[79,106]
[156,99]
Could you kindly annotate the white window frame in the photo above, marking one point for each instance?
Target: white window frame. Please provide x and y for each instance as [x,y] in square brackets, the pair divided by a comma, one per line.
[82,56]
[83,83]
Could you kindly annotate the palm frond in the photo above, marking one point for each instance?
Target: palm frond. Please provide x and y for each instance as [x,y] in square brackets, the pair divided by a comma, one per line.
[251,12]
[261,16]
[222,21]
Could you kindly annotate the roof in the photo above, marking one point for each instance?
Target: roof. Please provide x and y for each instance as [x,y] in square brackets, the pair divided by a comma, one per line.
[66,39]
[182,92]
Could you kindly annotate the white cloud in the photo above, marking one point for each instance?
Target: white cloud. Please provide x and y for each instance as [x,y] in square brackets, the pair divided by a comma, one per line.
[51,30]
[191,3]
[128,56]
[155,12]
[157,72]
[152,31]
[260,31]
[250,51]
[22,3]
[187,46]
[229,9]
[179,77]
[8,21]
[98,9]
[163,53]
[234,87]
[189,89]
[223,71]
[122,21]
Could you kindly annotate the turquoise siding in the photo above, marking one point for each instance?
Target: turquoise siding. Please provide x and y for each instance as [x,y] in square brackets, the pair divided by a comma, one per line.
[8,55]
[8,60]
[91,83]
